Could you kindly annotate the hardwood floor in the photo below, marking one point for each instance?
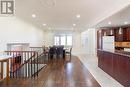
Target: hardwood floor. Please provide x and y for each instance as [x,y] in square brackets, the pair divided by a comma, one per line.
[58,73]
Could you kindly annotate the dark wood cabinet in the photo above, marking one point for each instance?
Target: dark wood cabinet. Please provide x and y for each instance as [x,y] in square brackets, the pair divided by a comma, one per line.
[100,60]
[123,71]
[118,35]
[120,69]
[116,65]
[101,33]
[99,39]
[108,32]
[121,35]
[128,69]
[126,34]
[107,64]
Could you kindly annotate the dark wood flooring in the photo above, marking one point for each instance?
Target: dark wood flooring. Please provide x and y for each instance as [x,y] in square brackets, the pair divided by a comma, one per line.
[58,73]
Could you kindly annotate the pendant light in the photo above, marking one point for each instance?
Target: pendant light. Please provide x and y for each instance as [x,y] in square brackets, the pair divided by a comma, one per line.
[105,34]
[111,32]
[120,30]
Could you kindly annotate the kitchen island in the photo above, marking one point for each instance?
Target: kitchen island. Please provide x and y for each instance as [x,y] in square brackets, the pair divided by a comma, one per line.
[116,64]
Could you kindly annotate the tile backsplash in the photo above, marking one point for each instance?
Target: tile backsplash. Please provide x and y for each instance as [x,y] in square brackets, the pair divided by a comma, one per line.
[122,44]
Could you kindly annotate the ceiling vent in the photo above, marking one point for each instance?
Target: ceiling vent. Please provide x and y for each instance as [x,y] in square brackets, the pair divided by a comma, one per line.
[48,3]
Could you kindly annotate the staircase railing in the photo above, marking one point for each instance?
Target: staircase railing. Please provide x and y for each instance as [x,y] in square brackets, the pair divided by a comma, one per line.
[23,63]
[41,53]
[40,50]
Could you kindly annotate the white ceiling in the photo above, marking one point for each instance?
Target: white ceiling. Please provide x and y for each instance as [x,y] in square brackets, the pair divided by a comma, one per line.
[61,14]
[118,19]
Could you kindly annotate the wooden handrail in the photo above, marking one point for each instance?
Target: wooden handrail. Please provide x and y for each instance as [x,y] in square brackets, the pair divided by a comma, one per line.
[36,47]
[19,51]
[24,59]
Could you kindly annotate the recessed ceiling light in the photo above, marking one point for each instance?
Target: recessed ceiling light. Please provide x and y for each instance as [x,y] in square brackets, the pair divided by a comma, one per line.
[109,22]
[33,15]
[125,22]
[74,24]
[78,15]
[44,24]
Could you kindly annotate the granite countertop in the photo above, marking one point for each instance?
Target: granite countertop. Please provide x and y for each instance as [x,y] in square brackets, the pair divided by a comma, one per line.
[119,52]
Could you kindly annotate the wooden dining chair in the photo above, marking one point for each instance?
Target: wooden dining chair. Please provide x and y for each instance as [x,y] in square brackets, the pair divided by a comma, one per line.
[69,52]
[59,51]
[52,51]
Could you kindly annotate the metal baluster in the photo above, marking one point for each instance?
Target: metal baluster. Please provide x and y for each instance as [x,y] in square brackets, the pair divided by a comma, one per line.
[28,64]
[31,63]
[8,53]
[13,63]
[37,63]
[25,63]
[1,70]
[34,64]
[16,61]
[21,71]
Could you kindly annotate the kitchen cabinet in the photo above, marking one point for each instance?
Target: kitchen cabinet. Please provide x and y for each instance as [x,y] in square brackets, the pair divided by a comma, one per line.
[99,39]
[108,32]
[121,35]
[107,62]
[127,34]
[101,33]
[116,65]
[118,35]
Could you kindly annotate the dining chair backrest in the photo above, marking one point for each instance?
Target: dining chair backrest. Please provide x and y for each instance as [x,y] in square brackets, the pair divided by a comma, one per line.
[60,50]
[70,49]
[52,50]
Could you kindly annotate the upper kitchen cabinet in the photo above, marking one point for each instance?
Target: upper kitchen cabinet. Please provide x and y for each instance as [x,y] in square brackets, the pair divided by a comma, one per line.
[99,39]
[108,32]
[126,34]
[101,33]
[119,36]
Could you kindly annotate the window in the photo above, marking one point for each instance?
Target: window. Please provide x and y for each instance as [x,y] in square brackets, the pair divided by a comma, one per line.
[69,40]
[57,39]
[63,40]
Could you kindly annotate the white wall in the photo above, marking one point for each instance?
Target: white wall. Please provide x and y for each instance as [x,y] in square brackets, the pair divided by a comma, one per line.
[88,38]
[77,43]
[13,29]
[49,39]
